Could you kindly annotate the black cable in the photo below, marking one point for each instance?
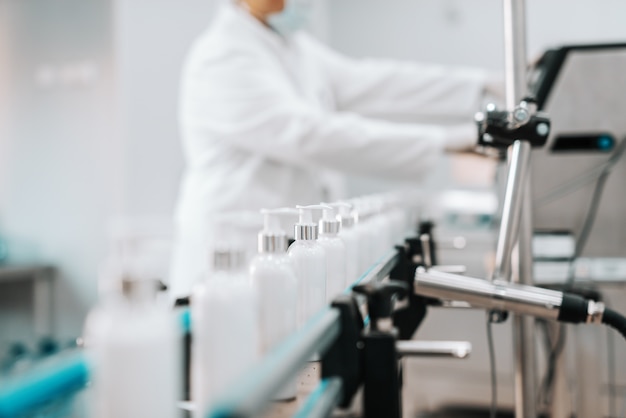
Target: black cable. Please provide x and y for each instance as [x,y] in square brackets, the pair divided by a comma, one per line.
[618,322]
[592,212]
[610,348]
[587,225]
[492,366]
[580,181]
[547,385]
[615,320]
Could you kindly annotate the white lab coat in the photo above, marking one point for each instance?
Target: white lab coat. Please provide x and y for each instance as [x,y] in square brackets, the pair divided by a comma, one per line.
[268,122]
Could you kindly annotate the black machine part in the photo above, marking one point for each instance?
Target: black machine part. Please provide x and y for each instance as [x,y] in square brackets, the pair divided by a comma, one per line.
[408,319]
[343,359]
[426,228]
[382,378]
[382,386]
[500,128]
[380,299]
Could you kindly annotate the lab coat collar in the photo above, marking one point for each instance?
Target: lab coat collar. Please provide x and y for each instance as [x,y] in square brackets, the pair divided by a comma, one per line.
[248,22]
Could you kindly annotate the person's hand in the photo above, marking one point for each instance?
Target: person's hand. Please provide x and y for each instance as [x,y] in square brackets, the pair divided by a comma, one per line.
[462,138]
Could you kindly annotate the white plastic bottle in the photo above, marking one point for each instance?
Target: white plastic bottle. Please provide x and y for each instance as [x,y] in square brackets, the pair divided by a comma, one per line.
[336,252]
[135,346]
[396,216]
[367,238]
[275,279]
[383,226]
[224,310]
[350,237]
[309,261]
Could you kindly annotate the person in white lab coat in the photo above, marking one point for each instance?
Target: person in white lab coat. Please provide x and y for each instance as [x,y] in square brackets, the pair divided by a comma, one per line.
[269,116]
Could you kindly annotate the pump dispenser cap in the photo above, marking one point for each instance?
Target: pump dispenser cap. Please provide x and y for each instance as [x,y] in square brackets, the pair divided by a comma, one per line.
[345,214]
[306,229]
[273,239]
[330,223]
[135,277]
[229,259]
[360,209]
[229,250]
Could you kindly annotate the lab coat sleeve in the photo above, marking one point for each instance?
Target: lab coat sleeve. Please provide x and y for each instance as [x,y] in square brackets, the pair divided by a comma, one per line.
[249,107]
[401,90]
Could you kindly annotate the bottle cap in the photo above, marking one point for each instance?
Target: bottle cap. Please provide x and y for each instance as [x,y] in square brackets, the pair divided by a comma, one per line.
[229,248]
[344,214]
[229,259]
[273,239]
[330,223]
[306,229]
[132,277]
[361,209]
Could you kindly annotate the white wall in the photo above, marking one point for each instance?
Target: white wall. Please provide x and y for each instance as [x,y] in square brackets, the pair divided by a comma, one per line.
[557,22]
[466,32]
[4,96]
[151,39]
[63,179]
[91,133]
[445,31]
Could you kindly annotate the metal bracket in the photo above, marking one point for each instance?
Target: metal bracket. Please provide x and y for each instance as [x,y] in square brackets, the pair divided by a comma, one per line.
[343,358]
[408,319]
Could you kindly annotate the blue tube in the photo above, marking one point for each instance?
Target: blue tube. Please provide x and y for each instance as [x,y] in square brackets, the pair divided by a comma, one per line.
[185,320]
[322,400]
[35,389]
[312,400]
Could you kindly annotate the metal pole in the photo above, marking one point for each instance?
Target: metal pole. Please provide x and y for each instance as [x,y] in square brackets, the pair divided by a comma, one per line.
[519,159]
[515,63]
[524,326]
[515,51]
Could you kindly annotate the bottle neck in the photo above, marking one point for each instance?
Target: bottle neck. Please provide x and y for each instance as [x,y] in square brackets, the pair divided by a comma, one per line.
[272,243]
[329,227]
[306,232]
[347,222]
[228,260]
[140,291]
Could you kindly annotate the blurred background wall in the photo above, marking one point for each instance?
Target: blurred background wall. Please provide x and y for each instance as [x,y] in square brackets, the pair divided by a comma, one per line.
[63,154]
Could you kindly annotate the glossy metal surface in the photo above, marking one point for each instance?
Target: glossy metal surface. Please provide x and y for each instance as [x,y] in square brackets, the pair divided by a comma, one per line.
[480,293]
[454,349]
[519,159]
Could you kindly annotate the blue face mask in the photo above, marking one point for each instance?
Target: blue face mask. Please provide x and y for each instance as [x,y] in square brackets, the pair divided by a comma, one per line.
[295,16]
